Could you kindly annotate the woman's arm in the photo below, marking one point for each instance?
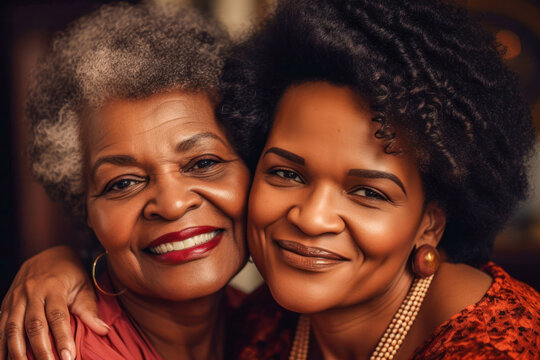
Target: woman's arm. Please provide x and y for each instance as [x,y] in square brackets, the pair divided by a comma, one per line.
[46,286]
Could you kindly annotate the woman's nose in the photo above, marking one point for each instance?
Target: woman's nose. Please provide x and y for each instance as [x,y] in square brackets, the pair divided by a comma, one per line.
[318,212]
[171,199]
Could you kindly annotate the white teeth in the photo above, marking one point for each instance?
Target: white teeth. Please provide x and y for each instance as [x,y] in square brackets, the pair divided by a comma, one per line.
[189,242]
[179,245]
[184,244]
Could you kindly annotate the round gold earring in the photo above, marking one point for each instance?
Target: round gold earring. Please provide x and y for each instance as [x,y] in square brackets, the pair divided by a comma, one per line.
[95,280]
[426,261]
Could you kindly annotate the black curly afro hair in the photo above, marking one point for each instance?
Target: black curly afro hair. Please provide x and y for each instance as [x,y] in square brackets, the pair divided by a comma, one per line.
[426,69]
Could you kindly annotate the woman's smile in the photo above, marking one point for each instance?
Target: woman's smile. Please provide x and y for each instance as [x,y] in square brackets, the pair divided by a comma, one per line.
[186,245]
[166,195]
[308,258]
[332,216]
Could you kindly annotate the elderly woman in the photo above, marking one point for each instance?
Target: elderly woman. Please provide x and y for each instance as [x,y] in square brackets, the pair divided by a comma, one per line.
[383,134]
[124,134]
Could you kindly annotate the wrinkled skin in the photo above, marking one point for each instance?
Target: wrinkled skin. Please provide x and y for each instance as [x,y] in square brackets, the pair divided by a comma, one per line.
[158,166]
[155,166]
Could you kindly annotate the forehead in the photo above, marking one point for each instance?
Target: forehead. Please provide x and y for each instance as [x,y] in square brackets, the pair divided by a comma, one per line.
[168,114]
[323,113]
[332,128]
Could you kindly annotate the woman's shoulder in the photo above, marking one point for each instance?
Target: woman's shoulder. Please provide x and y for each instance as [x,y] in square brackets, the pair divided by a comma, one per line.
[260,329]
[504,324]
[123,341]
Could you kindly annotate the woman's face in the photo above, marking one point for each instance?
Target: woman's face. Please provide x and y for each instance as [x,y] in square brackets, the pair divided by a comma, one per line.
[166,195]
[332,217]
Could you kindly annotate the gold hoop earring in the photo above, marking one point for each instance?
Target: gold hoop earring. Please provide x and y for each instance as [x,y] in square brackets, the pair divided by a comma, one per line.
[425,262]
[95,280]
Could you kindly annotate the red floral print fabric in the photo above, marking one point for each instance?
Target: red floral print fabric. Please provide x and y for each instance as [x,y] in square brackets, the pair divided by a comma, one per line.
[504,324]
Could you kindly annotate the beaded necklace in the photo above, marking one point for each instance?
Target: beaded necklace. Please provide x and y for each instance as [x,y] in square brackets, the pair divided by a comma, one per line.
[393,336]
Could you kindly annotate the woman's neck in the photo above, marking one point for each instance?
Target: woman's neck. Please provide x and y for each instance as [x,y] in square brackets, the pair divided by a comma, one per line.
[353,332]
[191,329]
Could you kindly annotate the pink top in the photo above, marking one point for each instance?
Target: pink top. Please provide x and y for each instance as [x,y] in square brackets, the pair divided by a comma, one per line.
[125,339]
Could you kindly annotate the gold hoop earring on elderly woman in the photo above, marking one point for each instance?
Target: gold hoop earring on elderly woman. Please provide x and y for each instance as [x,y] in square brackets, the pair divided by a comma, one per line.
[95,280]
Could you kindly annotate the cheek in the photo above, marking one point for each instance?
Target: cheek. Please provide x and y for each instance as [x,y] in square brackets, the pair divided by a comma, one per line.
[112,222]
[266,204]
[380,233]
[230,194]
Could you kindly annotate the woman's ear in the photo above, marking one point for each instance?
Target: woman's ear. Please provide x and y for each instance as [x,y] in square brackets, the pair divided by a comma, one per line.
[432,225]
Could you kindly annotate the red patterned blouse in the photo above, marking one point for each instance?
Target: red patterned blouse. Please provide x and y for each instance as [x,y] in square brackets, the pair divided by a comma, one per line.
[504,324]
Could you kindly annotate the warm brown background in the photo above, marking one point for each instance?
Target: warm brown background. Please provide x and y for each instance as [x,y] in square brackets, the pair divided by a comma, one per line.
[29,222]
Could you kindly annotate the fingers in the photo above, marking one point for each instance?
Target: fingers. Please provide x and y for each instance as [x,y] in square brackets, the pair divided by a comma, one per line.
[85,307]
[37,329]
[56,270]
[14,332]
[59,323]
[31,320]
[3,344]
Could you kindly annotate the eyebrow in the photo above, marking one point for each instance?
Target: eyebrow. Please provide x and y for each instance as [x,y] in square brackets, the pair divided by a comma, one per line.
[126,160]
[375,174]
[121,160]
[190,142]
[286,154]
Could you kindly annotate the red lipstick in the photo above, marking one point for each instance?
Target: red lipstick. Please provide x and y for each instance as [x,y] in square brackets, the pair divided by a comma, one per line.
[186,245]
[308,251]
[308,258]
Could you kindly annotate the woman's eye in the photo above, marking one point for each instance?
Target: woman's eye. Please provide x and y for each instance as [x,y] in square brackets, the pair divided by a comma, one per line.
[204,166]
[289,175]
[370,193]
[121,185]
[204,163]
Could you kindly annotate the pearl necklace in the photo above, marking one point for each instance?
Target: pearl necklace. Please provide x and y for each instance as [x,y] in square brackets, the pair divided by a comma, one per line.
[393,336]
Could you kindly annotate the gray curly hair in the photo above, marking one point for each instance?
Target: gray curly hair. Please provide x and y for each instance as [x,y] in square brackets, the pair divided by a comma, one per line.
[119,51]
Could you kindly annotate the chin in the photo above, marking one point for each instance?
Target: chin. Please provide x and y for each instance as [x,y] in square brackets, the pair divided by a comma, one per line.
[302,298]
[205,280]
[189,291]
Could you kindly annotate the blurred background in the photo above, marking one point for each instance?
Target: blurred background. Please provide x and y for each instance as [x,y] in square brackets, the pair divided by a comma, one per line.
[29,222]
